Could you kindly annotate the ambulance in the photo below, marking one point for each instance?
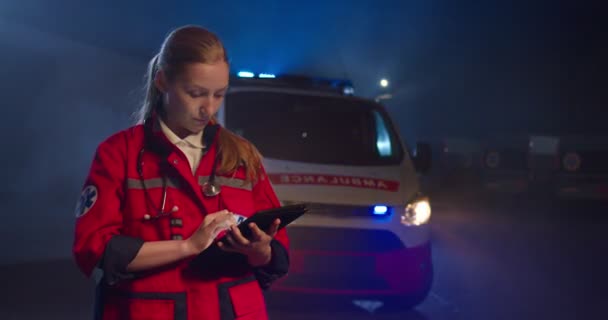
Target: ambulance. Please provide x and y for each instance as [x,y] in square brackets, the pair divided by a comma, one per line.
[366,236]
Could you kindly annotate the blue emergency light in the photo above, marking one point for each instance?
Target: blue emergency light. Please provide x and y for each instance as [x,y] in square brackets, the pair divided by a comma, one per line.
[245,74]
[341,86]
[266,76]
[348,90]
[380,210]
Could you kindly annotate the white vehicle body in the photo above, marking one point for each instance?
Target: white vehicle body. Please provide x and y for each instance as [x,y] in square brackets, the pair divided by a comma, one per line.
[344,244]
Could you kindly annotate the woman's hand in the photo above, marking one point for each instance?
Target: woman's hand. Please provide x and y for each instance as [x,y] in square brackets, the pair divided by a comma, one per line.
[257,248]
[211,226]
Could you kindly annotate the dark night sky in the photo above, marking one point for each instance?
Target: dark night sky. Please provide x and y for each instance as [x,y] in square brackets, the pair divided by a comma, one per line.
[456,67]
[533,67]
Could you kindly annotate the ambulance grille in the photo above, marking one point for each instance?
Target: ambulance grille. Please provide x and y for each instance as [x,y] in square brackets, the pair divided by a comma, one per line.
[342,282]
[343,211]
[342,239]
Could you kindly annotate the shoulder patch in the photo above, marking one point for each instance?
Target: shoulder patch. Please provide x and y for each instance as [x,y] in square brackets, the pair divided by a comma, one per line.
[88,197]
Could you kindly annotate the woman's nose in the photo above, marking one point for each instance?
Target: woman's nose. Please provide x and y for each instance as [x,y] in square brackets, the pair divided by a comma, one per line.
[205,105]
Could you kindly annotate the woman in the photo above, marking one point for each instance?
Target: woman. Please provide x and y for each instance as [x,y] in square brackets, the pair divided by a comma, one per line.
[149,212]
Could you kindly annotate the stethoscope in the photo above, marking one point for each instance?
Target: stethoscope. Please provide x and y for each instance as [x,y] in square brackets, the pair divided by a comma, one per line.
[210,188]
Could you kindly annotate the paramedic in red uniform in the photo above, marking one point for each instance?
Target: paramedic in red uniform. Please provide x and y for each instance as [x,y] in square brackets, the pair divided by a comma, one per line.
[160,193]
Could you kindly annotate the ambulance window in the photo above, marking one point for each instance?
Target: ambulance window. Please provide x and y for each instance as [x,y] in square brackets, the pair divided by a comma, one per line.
[383,142]
[314,129]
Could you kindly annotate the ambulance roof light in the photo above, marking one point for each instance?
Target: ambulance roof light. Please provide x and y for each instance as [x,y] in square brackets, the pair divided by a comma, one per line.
[341,86]
[266,76]
[245,74]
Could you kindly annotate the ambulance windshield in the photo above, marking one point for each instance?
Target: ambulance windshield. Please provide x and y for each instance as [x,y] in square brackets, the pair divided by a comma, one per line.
[314,129]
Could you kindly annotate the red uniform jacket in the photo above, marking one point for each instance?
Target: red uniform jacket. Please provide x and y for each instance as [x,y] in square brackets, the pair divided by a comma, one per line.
[111,227]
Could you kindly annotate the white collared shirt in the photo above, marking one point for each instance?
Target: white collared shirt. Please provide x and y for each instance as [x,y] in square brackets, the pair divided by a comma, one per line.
[191,146]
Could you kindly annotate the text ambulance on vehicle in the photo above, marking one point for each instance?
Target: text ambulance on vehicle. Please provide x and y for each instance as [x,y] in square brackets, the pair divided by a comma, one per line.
[366,235]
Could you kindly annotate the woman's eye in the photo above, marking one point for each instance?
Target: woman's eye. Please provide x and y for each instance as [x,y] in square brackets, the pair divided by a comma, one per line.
[196,94]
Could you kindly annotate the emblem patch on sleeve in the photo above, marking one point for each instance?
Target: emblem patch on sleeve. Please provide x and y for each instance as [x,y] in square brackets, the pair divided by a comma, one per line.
[88,196]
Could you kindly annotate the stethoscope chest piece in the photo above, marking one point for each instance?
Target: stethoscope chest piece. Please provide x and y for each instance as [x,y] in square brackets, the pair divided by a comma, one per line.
[211,189]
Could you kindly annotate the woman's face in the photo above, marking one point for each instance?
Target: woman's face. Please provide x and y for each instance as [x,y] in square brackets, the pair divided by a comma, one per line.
[193,96]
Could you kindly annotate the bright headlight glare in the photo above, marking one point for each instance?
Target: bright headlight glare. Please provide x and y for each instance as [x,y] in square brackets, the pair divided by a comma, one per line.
[417,213]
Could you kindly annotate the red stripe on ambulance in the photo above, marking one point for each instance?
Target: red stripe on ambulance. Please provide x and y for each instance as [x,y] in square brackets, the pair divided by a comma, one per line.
[330,180]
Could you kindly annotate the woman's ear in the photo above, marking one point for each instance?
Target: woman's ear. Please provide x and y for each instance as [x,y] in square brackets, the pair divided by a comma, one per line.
[160,81]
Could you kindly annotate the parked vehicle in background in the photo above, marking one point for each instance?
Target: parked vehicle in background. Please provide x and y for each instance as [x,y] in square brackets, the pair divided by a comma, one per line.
[583,167]
[459,161]
[543,163]
[505,164]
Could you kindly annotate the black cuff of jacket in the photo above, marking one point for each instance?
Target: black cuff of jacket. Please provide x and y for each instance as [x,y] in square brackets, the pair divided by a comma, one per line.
[120,251]
[277,268]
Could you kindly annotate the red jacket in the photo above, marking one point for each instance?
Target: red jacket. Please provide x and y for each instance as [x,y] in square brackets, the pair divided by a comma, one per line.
[111,227]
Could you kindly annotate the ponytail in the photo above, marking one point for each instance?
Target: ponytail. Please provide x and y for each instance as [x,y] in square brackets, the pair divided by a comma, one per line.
[153,96]
[236,151]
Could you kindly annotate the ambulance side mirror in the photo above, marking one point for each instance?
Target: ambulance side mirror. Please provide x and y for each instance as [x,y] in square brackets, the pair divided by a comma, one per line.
[422,157]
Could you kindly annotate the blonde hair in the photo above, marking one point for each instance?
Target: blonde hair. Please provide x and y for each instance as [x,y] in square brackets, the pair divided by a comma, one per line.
[194,44]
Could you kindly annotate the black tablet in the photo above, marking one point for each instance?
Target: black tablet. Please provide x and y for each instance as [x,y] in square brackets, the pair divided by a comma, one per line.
[264,219]
[214,260]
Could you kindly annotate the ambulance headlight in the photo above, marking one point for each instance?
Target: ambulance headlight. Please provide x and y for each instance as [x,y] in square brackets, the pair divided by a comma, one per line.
[417,213]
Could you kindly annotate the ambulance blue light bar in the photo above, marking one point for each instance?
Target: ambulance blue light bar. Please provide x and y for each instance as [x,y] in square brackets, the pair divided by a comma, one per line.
[245,74]
[341,86]
[266,76]
[380,210]
[349,91]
